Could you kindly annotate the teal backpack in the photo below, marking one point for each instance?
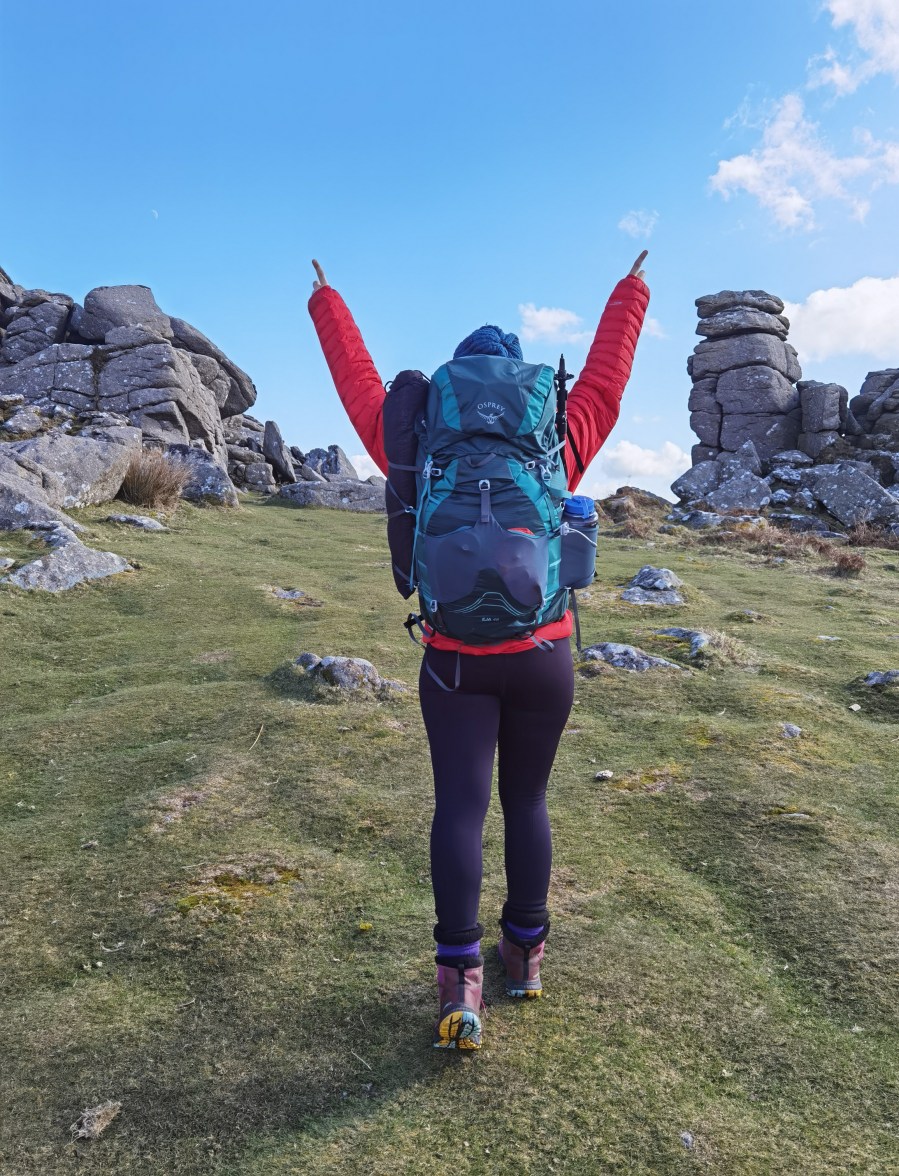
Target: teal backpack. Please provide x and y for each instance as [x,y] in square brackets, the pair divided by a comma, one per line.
[491,484]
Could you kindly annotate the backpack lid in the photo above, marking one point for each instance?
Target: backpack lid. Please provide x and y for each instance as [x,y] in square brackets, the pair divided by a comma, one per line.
[491,396]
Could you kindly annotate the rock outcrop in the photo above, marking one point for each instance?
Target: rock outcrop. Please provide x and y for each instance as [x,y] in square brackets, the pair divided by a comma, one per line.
[799,449]
[339,494]
[42,477]
[117,354]
[119,369]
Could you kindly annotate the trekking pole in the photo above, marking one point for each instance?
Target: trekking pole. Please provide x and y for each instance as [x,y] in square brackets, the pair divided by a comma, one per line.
[561,381]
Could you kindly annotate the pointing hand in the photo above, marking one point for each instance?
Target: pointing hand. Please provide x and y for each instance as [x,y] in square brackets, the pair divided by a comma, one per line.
[635,270]
[323,281]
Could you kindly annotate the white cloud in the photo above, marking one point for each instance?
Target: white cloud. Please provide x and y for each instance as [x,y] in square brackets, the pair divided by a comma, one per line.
[633,461]
[875,26]
[847,320]
[551,324]
[639,222]
[364,466]
[654,328]
[828,70]
[628,464]
[794,168]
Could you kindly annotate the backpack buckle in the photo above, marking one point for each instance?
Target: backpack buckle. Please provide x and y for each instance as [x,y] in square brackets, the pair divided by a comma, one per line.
[409,624]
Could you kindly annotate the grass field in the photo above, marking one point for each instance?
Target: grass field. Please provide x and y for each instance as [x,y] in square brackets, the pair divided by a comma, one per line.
[193,850]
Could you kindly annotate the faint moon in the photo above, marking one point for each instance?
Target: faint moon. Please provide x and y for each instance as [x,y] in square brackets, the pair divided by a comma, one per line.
[155,214]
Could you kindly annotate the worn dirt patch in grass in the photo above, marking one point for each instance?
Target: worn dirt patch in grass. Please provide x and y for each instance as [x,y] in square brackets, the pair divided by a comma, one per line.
[213,657]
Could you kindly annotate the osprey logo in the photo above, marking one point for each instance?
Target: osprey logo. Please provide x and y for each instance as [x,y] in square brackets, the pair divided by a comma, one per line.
[490,411]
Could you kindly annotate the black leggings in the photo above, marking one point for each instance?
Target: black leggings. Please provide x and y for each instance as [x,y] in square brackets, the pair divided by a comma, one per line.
[521,702]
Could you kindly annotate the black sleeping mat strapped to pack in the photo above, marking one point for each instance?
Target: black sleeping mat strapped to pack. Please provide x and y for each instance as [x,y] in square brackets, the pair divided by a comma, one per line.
[404,407]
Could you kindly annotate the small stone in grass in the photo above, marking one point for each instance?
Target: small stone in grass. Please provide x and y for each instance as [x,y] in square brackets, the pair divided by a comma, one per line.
[143,522]
[605,774]
[790,730]
[90,844]
[855,707]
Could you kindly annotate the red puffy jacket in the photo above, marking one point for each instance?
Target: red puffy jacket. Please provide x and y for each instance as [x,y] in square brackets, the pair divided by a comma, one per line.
[593,403]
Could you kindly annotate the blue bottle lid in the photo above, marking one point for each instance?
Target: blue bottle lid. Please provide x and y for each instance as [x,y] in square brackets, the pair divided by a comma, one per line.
[580,506]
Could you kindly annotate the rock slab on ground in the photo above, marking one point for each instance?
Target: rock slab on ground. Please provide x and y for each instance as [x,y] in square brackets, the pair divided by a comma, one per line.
[69,562]
[351,495]
[627,657]
[348,674]
[142,522]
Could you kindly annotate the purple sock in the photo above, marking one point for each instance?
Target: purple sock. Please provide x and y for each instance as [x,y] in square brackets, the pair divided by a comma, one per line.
[525,932]
[456,949]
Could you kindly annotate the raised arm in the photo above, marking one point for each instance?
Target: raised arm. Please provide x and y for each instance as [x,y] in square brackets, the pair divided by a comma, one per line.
[355,375]
[595,399]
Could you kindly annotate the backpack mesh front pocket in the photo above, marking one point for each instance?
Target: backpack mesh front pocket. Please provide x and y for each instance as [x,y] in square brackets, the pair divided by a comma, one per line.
[487,570]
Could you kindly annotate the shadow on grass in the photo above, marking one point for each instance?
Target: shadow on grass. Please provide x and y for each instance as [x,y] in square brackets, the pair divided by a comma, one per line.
[821,906]
[198,1094]
[880,703]
[289,680]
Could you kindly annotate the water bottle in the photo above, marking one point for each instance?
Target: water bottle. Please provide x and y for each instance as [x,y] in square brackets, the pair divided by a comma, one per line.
[580,526]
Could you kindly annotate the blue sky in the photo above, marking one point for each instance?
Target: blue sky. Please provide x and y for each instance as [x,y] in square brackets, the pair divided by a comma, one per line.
[461,164]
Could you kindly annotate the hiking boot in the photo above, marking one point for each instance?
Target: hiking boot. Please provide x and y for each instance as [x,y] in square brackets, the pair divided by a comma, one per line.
[522,958]
[460,981]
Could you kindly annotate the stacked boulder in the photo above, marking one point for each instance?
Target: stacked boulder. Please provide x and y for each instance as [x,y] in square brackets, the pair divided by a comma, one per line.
[744,376]
[799,449]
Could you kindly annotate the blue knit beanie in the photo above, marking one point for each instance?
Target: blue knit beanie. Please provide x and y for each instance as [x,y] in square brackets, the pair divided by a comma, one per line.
[489,340]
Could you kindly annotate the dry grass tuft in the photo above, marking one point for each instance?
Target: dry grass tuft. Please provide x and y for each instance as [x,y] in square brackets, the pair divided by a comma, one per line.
[727,650]
[635,513]
[172,808]
[771,541]
[849,564]
[154,480]
[636,528]
[93,1122]
[865,535]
